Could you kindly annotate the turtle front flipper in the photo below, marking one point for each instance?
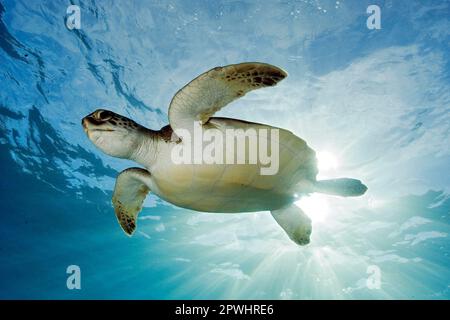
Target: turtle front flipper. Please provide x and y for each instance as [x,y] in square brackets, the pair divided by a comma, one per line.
[294,222]
[132,186]
[216,88]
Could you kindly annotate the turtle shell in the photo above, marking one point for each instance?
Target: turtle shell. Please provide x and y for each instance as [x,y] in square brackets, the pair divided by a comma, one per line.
[236,187]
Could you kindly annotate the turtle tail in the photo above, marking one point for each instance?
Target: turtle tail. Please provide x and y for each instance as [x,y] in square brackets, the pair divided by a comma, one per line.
[344,187]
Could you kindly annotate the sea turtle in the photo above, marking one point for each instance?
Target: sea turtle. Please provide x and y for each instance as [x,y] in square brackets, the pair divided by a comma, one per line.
[213,187]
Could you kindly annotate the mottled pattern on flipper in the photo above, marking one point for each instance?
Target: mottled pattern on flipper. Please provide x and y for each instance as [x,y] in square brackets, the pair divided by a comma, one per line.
[126,221]
[212,90]
[251,75]
[132,186]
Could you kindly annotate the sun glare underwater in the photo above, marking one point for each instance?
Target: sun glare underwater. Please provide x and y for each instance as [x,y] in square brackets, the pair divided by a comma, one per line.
[374,103]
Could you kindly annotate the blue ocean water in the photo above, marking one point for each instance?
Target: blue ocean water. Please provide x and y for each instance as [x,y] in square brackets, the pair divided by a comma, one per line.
[374,104]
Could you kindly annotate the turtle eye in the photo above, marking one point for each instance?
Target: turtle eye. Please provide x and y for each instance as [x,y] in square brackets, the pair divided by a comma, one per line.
[102,115]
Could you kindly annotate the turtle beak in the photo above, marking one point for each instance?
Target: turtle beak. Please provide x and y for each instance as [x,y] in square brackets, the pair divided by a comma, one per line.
[83,123]
[89,123]
[96,119]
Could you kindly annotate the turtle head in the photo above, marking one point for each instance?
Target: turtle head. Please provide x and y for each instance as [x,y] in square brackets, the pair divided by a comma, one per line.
[112,133]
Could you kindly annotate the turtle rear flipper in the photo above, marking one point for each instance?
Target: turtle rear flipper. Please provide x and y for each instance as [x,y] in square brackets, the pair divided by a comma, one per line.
[344,187]
[294,222]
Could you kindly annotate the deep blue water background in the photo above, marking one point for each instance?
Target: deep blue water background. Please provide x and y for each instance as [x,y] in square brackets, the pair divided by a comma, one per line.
[379,100]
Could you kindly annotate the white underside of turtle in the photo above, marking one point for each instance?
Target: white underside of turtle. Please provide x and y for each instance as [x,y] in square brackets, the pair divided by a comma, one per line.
[217,187]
